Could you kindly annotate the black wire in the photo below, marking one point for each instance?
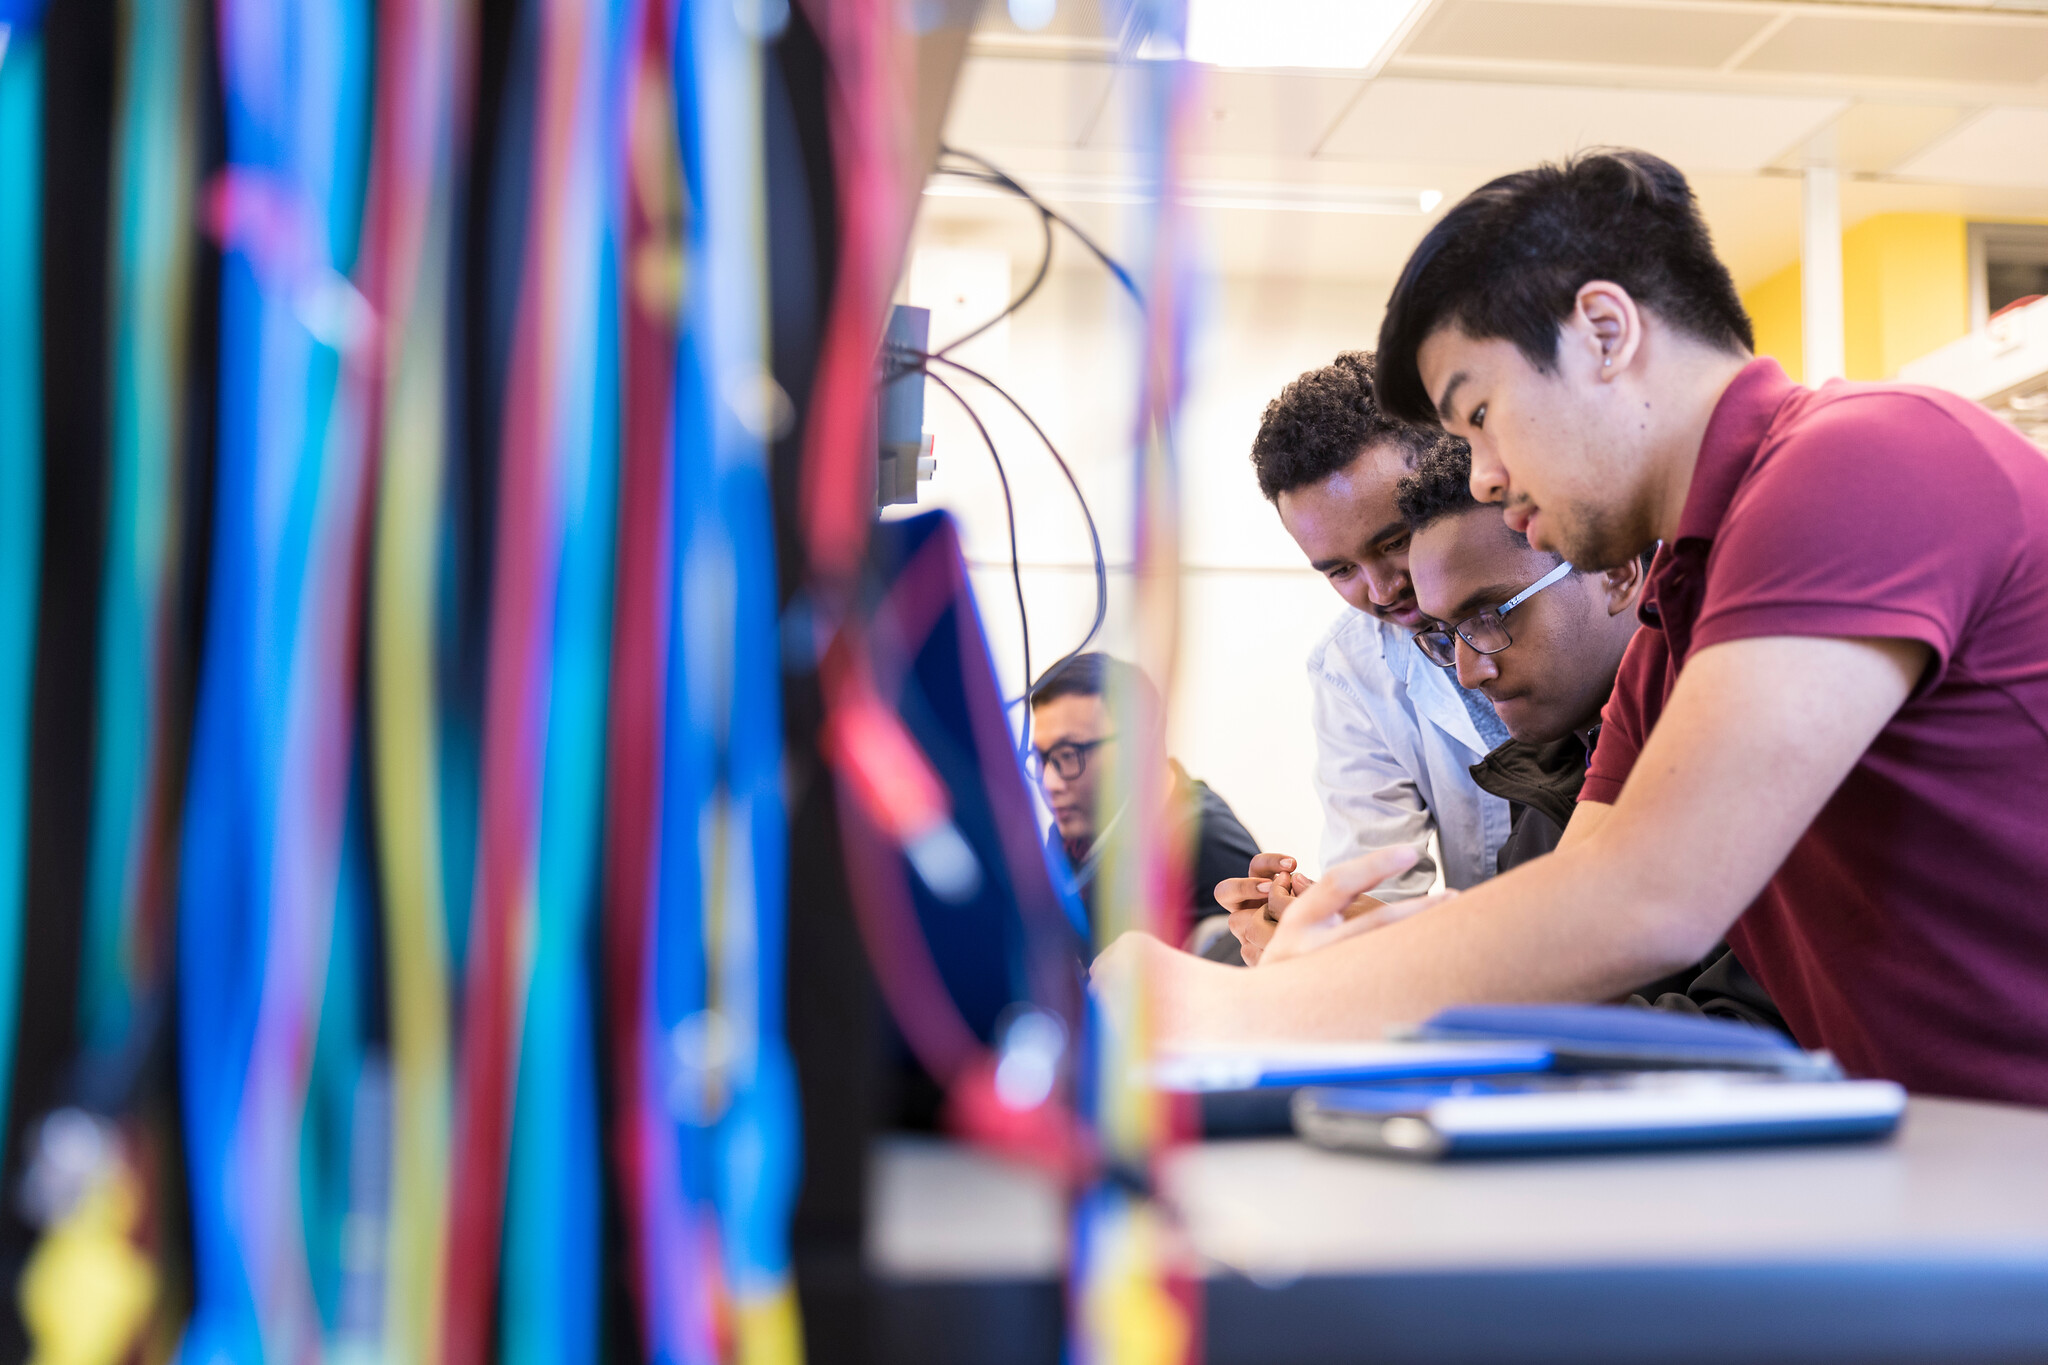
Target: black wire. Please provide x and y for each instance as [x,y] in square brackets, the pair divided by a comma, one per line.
[993,174]
[1044,268]
[913,360]
[1010,514]
[1094,539]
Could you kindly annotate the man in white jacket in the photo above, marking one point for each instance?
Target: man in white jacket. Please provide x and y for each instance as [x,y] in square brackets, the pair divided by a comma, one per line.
[1395,735]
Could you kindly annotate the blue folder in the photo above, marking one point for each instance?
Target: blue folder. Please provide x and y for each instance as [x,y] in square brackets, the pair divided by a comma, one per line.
[1595,1037]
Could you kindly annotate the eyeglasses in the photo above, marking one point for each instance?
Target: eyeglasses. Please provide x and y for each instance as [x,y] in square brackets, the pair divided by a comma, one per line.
[1486,632]
[1068,760]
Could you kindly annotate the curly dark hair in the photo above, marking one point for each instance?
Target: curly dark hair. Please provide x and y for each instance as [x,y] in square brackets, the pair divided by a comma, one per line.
[1508,261]
[1321,422]
[1439,485]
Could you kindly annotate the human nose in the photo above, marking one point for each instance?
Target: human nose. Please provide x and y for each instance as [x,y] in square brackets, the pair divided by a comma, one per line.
[1474,668]
[1489,475]
[1387,584]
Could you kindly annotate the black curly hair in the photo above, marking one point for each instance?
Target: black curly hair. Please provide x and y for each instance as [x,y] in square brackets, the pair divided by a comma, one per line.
[1439,485]
[1322,421]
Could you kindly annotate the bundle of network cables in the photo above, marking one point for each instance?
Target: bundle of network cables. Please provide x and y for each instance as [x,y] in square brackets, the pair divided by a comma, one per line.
[409,524]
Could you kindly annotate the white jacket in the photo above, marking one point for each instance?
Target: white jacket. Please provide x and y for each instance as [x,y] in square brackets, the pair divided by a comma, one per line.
[1394,742]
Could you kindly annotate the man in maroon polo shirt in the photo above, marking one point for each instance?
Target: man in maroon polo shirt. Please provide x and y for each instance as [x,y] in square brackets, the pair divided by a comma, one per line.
[1833,748]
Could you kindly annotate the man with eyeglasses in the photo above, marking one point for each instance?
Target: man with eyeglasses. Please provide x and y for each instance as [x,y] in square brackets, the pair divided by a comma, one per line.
[1541,641]
[1070,730]
[1544,641]
[1395,738]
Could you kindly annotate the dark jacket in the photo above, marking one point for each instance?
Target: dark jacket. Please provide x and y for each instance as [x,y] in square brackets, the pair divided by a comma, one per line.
[1204,823]
[1541,784]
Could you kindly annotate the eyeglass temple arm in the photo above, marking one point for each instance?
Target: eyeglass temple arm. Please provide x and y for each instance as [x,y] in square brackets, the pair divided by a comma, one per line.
[1538,586]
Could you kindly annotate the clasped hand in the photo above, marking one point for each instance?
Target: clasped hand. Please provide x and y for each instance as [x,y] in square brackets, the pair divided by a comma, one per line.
[1277,912]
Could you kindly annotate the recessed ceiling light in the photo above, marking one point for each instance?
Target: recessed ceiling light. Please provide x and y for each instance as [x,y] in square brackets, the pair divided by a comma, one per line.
[1032,15]
[1327,34]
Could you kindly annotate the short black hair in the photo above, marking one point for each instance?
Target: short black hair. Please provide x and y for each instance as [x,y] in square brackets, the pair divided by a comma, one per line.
[1321,422]
[1091,675]
[1439,485]
[1508,262]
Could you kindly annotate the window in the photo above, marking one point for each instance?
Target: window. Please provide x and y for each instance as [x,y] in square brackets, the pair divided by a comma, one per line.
[2008,262]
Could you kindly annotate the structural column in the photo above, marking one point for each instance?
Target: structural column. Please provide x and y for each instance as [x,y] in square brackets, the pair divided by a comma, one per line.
[1820,257]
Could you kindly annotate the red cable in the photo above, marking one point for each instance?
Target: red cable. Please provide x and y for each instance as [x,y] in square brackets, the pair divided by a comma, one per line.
[870,124]
[633,749]
[515,707]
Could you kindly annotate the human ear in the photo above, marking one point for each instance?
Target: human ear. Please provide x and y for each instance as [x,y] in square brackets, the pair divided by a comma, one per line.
[1608,324]
[1624,586]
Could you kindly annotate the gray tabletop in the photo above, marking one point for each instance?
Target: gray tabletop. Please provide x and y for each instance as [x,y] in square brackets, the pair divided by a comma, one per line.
[1932,1247]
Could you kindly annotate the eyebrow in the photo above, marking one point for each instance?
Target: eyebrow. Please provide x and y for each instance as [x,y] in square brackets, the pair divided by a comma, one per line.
[1398,524]
[1323,566]
[1492,595]
[1443,404]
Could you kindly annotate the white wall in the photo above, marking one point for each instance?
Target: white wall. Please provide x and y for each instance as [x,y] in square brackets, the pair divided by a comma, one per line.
[1251,608]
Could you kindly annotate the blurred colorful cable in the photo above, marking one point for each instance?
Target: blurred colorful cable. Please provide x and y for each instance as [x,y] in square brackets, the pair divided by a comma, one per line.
[21,455]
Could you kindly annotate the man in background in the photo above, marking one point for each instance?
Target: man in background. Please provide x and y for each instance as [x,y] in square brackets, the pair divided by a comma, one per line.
[1071,732]
[1395,736]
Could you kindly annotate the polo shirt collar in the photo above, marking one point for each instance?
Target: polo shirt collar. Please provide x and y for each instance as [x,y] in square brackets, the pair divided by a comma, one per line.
[1736,431]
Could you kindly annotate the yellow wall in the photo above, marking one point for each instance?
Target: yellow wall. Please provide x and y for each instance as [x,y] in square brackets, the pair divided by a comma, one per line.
[1775,314]
[1905,291]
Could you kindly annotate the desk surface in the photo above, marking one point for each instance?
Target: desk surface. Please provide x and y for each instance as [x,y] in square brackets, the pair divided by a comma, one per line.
[1933,1246]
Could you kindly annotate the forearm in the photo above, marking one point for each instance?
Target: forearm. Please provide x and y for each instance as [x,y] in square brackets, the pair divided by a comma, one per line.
[1634,891]
[1581,924]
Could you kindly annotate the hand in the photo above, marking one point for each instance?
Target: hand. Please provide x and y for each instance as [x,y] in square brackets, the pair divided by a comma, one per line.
[1338,907]
[1246,898]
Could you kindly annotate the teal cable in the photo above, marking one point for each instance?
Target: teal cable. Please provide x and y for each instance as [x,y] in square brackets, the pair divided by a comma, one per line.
[549,1307]
[21,488]
[153,191]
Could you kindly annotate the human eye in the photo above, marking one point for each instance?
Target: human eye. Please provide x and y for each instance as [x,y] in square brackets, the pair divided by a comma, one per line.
[1479,417]
[1341,571]
[1394,545]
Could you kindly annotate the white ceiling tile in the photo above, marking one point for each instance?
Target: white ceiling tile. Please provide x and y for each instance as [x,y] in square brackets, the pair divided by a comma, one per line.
[1024,102]
[2003,146]
[1910,47]
[1270,113]
[1483,124]
[1872,137]
[1618,34]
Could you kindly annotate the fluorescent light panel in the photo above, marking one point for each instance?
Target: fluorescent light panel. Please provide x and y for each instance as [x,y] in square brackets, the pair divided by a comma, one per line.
[1348,35]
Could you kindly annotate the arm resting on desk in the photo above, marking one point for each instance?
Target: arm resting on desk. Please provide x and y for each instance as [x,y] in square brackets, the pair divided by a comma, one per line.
[1642,889]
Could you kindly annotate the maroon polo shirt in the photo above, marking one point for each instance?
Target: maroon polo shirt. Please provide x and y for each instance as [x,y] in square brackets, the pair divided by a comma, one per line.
[1907,931]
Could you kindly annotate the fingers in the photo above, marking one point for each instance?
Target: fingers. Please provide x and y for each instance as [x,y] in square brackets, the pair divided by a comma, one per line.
[1347,881]
[1334,909]
[1379,914]
[1240,893]
[1363,905]
[1384,914]
[1252,930]
[1271,865]
[1277,901]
